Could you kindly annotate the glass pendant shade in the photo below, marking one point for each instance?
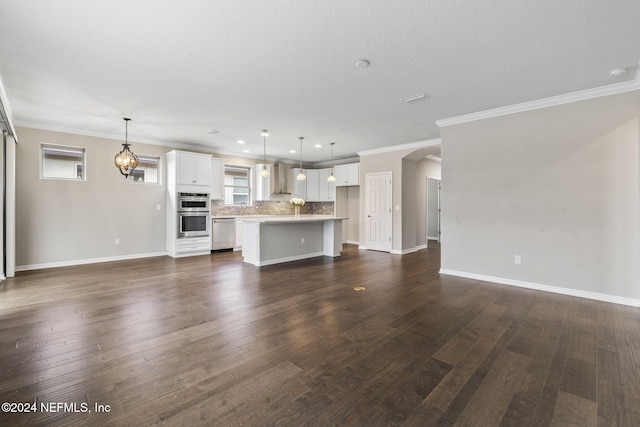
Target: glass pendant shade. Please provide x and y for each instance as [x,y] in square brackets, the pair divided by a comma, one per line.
[264,172]
[331,177]
[301,176]
[126,161]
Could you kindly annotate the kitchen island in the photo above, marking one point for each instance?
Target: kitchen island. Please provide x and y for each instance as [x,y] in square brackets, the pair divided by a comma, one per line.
[275,239]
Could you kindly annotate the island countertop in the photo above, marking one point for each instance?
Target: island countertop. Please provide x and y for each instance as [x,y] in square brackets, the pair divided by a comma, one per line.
[290,218]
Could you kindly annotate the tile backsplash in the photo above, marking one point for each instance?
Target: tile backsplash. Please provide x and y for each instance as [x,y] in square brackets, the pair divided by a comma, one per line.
[278,207]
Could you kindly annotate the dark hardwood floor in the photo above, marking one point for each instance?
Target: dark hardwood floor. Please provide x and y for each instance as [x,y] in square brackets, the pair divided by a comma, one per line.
[211,341]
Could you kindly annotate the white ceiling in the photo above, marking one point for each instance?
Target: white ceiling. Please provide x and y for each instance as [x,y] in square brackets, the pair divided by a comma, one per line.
[182,68]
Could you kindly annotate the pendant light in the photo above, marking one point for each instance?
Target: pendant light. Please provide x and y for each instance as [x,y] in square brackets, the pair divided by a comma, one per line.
[301,176]
[264,172]
[332,177]
[125,160]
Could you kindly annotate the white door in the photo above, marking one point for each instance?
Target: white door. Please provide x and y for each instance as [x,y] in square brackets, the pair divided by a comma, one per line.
[433,209]
[378,216]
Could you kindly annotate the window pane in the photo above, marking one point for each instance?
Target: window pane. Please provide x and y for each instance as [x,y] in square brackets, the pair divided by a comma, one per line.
[237,188]
[241,182]
[147,170]
[59,162]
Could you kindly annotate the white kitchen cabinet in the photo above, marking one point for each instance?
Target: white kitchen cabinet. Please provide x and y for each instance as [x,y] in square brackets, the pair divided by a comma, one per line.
[313,188]
[298,188]
[326,189]
[261,185]
[348,174]
[238,234]
[195,244]
[217,179]
[193,169]
[316,188]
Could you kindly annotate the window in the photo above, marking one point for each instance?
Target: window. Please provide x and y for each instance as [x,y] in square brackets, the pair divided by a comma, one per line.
[147,171]
[60,162]
[236,185]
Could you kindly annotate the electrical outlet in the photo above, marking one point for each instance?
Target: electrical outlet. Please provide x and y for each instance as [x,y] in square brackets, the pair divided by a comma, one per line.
[517,259]
[158,207]
[117,241]
[302,240]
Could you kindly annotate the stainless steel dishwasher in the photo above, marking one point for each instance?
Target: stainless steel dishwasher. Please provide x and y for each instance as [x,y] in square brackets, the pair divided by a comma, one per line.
[223,233]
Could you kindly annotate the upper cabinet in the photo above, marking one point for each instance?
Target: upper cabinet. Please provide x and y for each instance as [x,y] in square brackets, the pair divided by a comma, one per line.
[326,189]
[217,179]
[298,188]
[348,174]
[261,184]
[315,188]
[193,169]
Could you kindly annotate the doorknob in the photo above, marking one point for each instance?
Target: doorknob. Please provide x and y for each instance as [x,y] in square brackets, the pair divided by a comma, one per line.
[369,216]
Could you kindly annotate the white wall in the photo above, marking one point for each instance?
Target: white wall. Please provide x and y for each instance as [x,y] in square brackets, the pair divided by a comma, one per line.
[558,186]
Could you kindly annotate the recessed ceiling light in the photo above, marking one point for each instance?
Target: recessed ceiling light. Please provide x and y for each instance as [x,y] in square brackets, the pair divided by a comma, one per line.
[318,146]
[363,63]
[245,151]
[292,151]
[618,72]
[415,97]
[240,141]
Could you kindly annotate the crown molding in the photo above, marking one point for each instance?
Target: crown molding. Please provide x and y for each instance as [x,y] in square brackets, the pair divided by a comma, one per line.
[5,112]
[399,147]
[552,101]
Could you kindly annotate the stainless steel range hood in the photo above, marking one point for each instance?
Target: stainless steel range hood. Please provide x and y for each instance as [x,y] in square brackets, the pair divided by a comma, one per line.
[280,179]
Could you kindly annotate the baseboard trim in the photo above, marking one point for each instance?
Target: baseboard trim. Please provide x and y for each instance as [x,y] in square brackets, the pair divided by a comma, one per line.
[353,242]
[286,259]
[87,261]
[408,251]
[546,288]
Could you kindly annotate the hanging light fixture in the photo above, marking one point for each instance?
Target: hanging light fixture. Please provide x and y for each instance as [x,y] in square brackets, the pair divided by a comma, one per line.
[332,177]
[301,176]
[264,172]
[125,160]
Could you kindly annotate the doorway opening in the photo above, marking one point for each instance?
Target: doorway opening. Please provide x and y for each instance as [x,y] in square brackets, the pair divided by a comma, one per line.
[434,189]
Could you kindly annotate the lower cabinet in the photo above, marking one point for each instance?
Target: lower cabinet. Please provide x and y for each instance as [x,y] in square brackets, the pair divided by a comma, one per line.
[238,234]
[193,244]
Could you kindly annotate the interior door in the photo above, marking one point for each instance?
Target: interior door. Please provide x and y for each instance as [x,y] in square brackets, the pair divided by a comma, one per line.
[433,209]
[378,216]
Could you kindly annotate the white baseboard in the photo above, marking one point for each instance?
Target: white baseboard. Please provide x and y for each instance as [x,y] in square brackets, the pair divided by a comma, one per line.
[362,247]
[87,261]
[546,288]
[408,251]
[353,242]
[286,259]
